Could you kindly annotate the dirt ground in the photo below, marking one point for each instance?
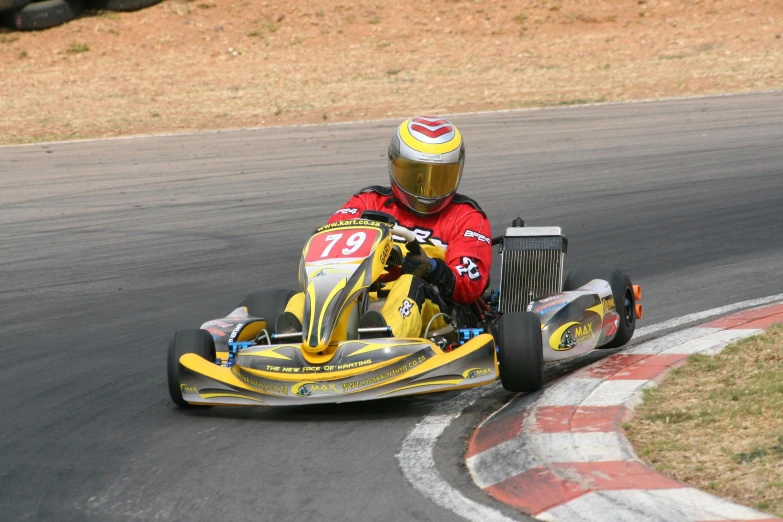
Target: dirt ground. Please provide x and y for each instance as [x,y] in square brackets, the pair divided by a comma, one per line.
[203,64]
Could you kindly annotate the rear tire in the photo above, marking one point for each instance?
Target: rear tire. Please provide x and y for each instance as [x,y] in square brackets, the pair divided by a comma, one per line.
[267,304]
[195,341]
[622,291]
[122,5]
[521,352]
[10,5]
[49,13]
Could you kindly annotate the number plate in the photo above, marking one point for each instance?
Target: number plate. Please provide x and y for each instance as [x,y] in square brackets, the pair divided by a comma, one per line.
[342,244]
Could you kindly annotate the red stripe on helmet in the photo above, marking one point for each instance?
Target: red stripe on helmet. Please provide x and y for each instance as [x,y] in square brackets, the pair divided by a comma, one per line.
[431,133]
[430,122]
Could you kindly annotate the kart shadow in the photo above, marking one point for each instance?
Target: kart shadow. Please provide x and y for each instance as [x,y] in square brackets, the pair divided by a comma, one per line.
[393,408]
[415,406]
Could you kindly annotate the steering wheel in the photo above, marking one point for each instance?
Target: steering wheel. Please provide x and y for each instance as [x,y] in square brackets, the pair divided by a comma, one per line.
[394,268]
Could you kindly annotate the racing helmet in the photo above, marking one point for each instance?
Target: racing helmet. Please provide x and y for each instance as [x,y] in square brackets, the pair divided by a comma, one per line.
[426,156]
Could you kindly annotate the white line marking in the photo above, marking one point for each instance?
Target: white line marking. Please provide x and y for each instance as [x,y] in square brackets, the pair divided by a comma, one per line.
[522,454]
[707,314]
[641,505]
[416,457]
[418,464]
[397,118]
[614,392]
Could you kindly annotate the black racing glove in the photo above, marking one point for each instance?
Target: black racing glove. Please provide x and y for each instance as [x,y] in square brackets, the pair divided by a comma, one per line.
[417,262]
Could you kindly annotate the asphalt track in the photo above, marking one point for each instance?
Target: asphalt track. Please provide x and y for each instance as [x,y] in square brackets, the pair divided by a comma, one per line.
[108,247]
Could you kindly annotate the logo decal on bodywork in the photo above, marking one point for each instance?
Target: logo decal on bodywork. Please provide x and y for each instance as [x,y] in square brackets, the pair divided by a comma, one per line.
[234,332]
[549,308]
[475,372]
[218,322]
[567,336]
[306,389]
[215,333]
[567,341]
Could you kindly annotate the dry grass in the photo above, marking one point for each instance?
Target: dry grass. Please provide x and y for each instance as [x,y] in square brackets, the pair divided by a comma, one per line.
[207,64]
[717,423]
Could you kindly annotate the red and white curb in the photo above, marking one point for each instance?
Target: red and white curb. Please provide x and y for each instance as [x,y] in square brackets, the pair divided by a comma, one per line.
[560,454]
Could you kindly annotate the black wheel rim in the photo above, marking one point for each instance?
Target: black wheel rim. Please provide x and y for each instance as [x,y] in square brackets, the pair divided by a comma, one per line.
[628,305]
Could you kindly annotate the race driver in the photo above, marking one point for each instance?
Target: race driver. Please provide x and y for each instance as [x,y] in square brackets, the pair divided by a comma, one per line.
[426,157]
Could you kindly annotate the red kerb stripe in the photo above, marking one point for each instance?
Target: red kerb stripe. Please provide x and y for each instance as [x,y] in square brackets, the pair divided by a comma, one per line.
[540,488]
[744,317]
[495,432]
[746,520]
[614,475]
[535,490]
[650,367]
[763,323]
[581,419]
[613,364]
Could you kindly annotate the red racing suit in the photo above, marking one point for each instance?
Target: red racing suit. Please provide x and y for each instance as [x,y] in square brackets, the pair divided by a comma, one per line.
[461,229]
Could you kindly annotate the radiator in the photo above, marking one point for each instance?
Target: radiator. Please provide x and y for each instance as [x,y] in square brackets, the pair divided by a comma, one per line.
[531,265]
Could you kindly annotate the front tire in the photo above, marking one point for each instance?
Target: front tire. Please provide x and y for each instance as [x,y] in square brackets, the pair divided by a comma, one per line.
[267,304]
[195,341]
[521,352]
[622,291]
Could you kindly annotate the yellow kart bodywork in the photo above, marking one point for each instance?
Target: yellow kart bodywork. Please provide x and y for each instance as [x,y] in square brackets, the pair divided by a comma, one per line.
[360,370]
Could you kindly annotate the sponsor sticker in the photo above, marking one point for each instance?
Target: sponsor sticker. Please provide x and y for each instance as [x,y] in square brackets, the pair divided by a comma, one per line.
[550,308]
[550,298]
[424,236]
[469,268]
[405,309]
[351,223]
[352,211]
[262,386]
[478,236]
[475,372]
[219,323]
[330,271]
[316,369]
[353,385]
[569,335]
[234,332]
[306,389]
[612,328]
[567,341]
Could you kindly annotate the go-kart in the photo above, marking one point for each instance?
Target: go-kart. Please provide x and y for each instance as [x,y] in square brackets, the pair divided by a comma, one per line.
[534,316]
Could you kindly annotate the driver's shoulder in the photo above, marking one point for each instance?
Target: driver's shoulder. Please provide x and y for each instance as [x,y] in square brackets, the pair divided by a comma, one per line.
[461,202]
[376,189]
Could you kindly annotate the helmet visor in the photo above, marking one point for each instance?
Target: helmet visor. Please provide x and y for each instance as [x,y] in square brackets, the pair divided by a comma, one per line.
[429,180]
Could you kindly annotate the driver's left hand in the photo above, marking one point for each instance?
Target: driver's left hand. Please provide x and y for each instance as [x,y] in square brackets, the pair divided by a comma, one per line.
[420,264]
